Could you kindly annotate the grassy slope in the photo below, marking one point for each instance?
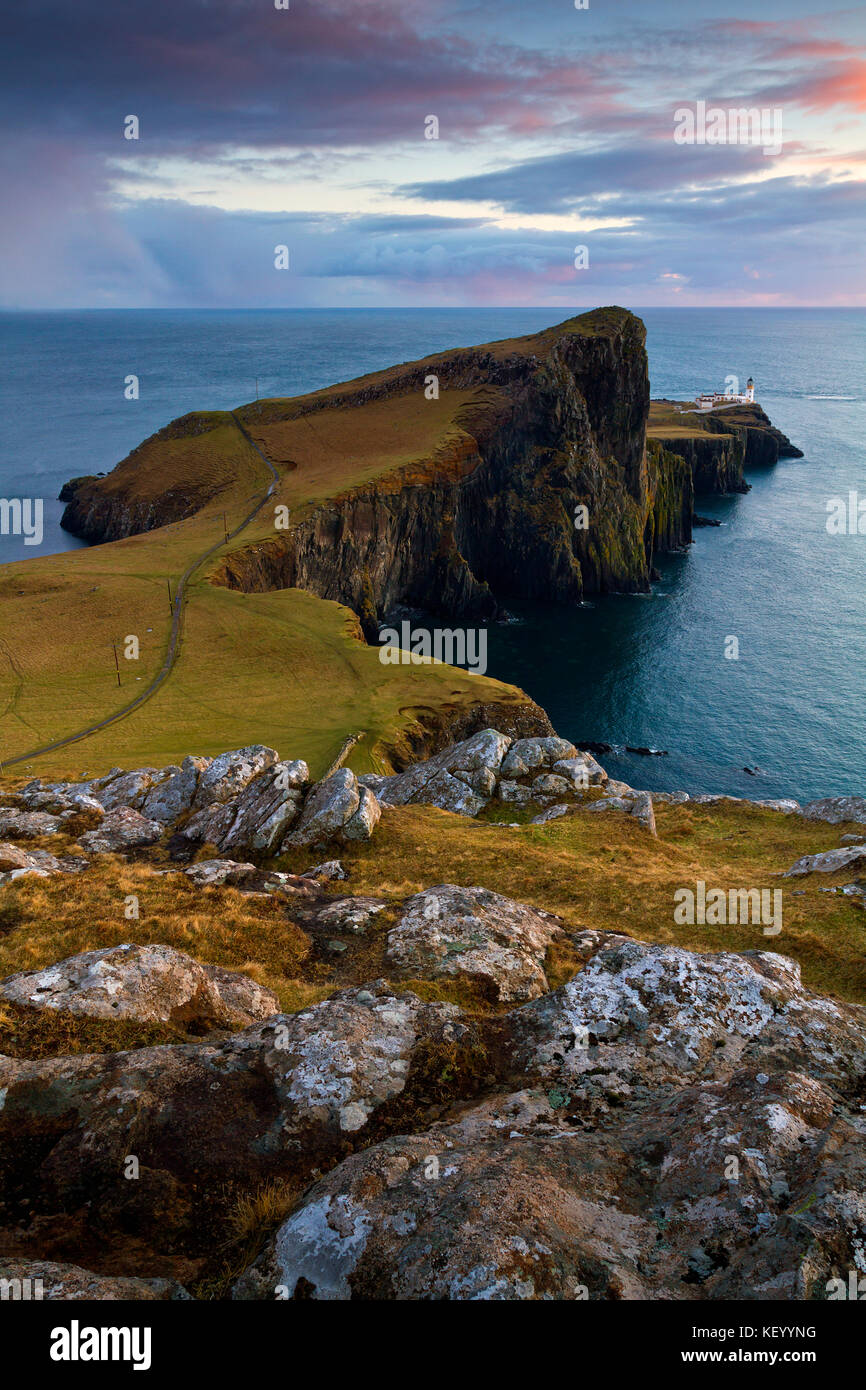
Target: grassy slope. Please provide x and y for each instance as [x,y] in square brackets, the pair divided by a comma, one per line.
[252,668]
[596,871]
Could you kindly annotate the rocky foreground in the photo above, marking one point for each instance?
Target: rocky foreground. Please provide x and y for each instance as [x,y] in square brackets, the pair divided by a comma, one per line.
[664,1124]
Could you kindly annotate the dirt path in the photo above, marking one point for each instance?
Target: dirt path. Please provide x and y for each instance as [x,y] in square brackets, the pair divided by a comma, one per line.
[176,625]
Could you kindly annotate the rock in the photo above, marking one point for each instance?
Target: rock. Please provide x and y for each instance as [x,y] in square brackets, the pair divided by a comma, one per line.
[852,840]
[350,914]
[174,796]
[362,824]
[212,873]
[331,869]
[28,825]
[828,862]
[258,817]
[131,789]
[611,803]
[11,858]
[121,829]
[581,771]
[528,755]
[552,813]
[549,787]
[513,793]
[151,984]
[450,930]
[461,778]
[46,1281]
[669,798]
[785,804]
[335,809]
[836,809]
[278,1099]
[645,1013]
[228,774]
[642,810]
[619,789]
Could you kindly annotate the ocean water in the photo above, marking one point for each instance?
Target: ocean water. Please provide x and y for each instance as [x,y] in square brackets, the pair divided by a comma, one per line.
[639,670]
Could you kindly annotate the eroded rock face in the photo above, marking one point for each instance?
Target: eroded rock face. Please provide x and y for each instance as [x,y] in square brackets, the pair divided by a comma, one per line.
[228,774]
[257,817]
[151,984]
[174,795]
[121,829]
[450,930]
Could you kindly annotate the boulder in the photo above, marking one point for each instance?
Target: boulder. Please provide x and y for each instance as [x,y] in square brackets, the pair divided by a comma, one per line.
[828,862]
[121,829]
[549,787]
[151,984]
[349,914]
[461,778]
[131,789]
[642,810]
[325,873]
[581,771]
[258,817]
[213,873]
[449,930]
[527,755]
[335,810]
[281,1098]
[836,809]
[513,793]
[173,796]
[11,858]
[28,825]
[228,774]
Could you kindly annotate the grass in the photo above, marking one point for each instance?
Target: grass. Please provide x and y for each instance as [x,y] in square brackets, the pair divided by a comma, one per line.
[593,870]
[252,666]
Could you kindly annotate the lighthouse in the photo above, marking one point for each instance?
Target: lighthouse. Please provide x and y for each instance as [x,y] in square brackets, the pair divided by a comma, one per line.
[750,390]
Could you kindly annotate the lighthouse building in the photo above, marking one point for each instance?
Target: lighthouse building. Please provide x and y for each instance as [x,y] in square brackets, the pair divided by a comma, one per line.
[717,398]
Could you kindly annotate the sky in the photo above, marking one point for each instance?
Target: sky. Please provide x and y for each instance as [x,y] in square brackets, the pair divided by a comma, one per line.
[308,127]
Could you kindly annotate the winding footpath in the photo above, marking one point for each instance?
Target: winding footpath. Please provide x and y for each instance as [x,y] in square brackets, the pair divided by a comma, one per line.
[176,624]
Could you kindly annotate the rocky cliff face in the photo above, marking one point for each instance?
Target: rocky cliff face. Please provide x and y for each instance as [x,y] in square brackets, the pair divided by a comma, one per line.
[719,445]
[549,493]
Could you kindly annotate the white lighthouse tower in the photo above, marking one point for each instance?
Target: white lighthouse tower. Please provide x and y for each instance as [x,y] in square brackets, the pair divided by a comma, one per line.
[750,390]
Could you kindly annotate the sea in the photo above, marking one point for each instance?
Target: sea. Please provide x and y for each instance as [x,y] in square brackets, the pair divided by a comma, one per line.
[779,711]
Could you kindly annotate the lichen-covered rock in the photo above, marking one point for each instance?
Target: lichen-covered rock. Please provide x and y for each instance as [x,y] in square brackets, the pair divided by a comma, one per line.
[642,810]
[280,1098]
[335,810]
[828,862]
[350,914]
[258,817]
[644,1013]
[449,930]
[121,829]
[151,984]
[548,787]
[461,778]
[325,873]
[527,755]
[213,873]
[513,793]
[228,774]
[727,1190]
[173,796]
[28,825]
[131,789]
[12,857]
[582,771]
[45,1280]
[836,809]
